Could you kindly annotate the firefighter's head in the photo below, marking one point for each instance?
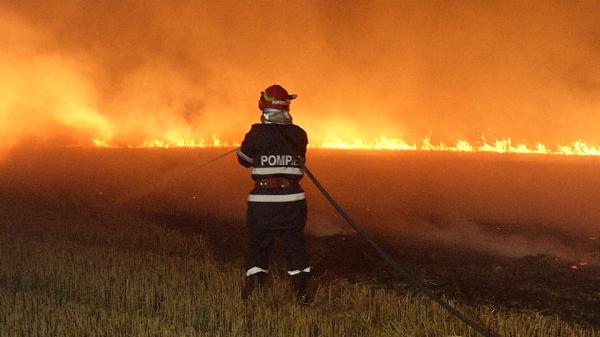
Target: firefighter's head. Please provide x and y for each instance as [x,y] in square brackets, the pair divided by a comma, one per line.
[274,102]
[275,97]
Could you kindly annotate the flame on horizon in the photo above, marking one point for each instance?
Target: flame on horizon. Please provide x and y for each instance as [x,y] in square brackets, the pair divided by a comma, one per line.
[376,75]
[577,148]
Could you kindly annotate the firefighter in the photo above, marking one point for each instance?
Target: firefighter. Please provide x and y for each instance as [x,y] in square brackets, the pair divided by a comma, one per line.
[275,149]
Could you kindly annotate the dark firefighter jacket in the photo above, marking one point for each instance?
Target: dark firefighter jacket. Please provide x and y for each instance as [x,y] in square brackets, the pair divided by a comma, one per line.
[269,155]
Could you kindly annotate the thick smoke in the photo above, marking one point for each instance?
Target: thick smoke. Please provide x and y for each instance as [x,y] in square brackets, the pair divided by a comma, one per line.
[44,94]
[128,71]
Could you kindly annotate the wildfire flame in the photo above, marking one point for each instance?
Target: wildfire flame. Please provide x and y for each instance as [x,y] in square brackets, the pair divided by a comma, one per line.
[160,143]
[578,147]
[70,76]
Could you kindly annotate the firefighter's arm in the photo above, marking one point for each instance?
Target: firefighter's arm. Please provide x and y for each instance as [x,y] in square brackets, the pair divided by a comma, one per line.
[303,145]
[246,152]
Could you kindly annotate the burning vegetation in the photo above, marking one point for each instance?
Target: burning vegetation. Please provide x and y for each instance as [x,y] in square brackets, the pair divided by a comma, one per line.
[376,75]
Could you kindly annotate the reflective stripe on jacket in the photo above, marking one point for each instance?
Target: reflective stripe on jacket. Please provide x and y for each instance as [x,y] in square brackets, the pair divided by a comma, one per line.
[269,155]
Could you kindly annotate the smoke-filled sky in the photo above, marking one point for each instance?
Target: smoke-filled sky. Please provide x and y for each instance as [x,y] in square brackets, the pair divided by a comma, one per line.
[128,71]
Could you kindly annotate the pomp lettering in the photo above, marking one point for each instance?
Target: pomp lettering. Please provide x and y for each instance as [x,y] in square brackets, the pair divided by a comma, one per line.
[277,160]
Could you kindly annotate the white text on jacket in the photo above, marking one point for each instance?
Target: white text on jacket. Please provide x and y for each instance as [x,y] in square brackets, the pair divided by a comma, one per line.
[277,160]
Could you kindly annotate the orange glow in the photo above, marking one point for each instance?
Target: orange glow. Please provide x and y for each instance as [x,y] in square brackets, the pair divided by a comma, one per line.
[404,76]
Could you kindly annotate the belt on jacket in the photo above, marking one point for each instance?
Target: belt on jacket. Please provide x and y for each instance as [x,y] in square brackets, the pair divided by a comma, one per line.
[276,182]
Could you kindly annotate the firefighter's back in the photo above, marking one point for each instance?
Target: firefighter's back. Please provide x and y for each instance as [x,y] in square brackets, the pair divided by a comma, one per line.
[276,150]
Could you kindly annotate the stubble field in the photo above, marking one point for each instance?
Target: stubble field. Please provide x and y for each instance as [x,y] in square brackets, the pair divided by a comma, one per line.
[130,244]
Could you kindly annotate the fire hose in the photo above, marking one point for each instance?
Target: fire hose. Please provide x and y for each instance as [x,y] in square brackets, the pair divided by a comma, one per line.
[412,279]
[407,275]
[123,199]
[401,270]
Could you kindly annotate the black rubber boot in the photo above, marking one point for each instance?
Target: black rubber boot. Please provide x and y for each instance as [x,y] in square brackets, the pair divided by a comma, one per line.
[301,287]
[252,282]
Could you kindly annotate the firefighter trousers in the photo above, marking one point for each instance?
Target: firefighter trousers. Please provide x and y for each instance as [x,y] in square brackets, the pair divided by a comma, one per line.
[269,221]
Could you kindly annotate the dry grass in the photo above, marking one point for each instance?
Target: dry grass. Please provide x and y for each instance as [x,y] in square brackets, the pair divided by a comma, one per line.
[110,276]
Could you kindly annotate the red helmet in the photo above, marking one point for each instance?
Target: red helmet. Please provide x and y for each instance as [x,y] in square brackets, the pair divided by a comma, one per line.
[275,97]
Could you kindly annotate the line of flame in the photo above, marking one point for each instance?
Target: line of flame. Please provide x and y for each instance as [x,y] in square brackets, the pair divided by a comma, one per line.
[161,143]
[578,147]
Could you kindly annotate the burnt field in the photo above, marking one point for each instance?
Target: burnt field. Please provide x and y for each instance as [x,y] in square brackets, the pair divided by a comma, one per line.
[508,232]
